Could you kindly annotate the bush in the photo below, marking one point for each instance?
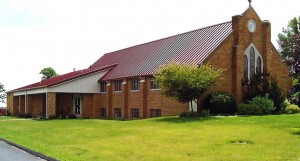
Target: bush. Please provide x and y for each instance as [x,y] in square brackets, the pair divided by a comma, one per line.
[263,84]
[26,115]
[183,114]
[264,103]
[203,113]
[292,109]
[220,103]
[249,109]
[52,117]
[72,116]
[63,116]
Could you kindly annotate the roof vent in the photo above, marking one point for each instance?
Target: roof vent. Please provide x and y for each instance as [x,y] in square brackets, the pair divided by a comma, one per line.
[74,69]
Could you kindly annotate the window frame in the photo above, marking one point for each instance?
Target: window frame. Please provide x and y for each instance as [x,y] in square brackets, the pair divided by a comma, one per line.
[259,64]
[118,85]
[155,112]
[117,112]
[252,62]
[154,85]
[252,49]
[246,68]
[135,113]
[135,84]
[103,87]
[103,112]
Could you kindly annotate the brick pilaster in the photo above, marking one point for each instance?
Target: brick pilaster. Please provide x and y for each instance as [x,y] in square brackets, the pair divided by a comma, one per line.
[125,86]
[51,98]
[266,43]
[109,102]
[145,97]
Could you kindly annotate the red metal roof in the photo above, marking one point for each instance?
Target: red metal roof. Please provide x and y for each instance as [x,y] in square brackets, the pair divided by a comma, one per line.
[188,48]
[65,77]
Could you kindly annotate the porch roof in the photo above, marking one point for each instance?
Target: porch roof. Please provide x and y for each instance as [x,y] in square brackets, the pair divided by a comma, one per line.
[64,78]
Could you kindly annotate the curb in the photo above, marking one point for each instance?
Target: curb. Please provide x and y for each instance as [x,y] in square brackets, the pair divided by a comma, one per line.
[29,150]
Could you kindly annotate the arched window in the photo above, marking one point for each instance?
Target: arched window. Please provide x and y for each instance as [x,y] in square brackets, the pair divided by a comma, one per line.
[245,67]
[259,65]
[252,62]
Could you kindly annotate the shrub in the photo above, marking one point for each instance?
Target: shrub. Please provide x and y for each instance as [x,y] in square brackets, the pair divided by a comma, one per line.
[249,109]
[263,84]
[203,113]
[63,116]
[52,117]
[26,115]
[264,103]
[72,116]
[292,109]
[183,114]
[220,103]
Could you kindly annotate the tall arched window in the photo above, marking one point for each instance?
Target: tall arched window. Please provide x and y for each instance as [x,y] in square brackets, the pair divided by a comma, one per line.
[252,62]
[245,67]
[259,65]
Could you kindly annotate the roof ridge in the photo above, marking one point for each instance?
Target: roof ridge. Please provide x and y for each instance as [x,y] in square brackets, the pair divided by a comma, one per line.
[169,37]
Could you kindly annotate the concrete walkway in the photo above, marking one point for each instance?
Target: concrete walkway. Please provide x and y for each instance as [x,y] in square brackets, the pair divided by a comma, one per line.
[11,153]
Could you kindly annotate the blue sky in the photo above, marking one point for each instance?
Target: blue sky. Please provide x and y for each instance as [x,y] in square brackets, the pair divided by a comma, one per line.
[67,34]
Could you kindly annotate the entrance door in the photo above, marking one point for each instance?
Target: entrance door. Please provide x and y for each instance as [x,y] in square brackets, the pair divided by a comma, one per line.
[77,104]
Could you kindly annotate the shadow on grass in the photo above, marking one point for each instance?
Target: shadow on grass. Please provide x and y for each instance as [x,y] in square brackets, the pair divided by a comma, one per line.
[184,119]
[296,131]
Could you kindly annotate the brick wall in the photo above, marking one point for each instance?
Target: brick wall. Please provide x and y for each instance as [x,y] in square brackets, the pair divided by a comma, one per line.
[37,104]
[88,105]
[64,103]
[135,98]
[230,55]
[168,106]
[15,110]
[22,104]
[96,105]
[51,104]
[10,102]
[117,99]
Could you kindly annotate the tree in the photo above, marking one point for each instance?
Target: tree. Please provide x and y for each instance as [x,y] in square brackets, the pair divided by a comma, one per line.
[287,38]
[289,48]
[186,82]
[2,93]
[48,73]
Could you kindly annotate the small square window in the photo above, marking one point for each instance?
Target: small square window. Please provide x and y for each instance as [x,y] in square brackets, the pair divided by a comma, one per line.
[103,87]
[135,113]
[155,112]
[118,84]
[135,84]
[103,112]
[118,112]
[154,84]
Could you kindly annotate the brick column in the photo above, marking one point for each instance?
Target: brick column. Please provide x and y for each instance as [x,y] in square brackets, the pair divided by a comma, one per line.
[125,86]
[22,104]
[51,104]
[145,96]
[109,100]
[14,111]
[266,43]
[239,28]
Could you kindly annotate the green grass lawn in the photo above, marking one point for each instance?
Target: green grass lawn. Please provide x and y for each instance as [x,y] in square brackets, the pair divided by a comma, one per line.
[167,138]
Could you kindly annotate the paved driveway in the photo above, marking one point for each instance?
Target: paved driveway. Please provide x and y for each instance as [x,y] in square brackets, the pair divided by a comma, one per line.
[11,153]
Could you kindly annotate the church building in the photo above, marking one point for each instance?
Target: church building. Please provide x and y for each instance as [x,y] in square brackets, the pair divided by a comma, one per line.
[120,84]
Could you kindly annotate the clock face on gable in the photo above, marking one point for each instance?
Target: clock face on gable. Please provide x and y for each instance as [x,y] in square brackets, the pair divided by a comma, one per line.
[251,26]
